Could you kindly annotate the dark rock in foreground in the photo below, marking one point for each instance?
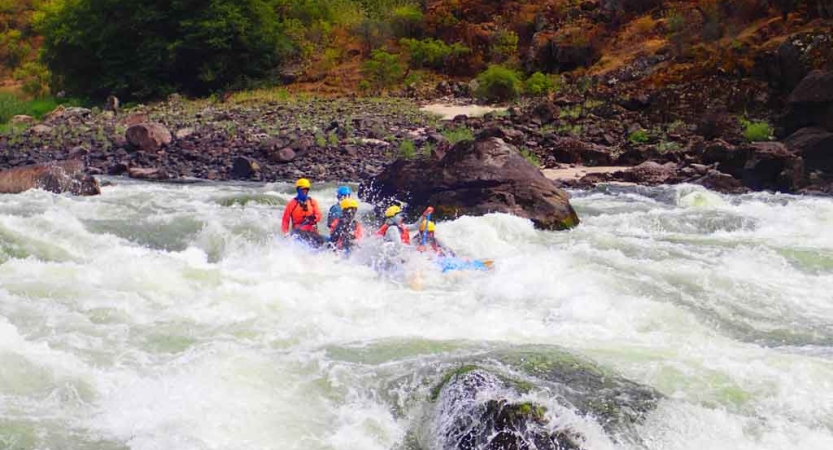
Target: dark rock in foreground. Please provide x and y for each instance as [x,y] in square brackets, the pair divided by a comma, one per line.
[476,178]
[496,401]
[471,414]
[57,177]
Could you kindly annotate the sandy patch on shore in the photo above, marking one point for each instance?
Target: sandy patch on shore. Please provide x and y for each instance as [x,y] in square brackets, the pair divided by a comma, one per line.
[448,112]
[575,173]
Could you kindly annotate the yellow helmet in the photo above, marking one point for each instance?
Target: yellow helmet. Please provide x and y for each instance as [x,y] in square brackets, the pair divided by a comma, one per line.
[431,226]
[348,203]
[303,183]
[392,211]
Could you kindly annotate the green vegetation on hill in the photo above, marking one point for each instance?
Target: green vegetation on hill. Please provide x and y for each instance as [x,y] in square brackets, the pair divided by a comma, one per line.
[142,50]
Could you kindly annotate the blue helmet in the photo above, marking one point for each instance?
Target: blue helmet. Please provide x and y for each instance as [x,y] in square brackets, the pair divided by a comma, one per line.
[343,191]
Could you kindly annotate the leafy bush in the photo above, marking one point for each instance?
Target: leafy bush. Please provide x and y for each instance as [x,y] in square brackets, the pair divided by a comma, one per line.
[13,49]
[382,70]
[756,131]
[433,53]
[406,21]
[531,157]
[455,135]
[10,106]
[539,85]
[407,149]
[35,78]
[371,34]
[504,45]
[639,137]
[192,47]
[498,83]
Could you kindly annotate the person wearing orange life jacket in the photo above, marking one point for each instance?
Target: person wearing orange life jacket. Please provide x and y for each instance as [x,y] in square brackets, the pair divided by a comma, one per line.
[394,229]
[430,240]
[301,216]
[345,231]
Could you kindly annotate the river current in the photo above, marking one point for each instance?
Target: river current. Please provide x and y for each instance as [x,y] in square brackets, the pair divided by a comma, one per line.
[173,317]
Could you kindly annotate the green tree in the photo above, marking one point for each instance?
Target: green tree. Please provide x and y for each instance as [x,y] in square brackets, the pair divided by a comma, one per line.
[504,46]
[406,21]
[499,83]
[35,78]
[138,49]
[383,70]
[539,85]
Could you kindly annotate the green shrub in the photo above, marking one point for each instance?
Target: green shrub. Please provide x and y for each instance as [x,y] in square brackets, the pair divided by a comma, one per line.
[756,131]
[668,146]
[531,157]
[498,83]
[10,106]
[639,137]
[433,53]
[407,149]
[571,112]
[539,85]
[504,45]
[383,70]
[13,49]
[455,135]
[332,139]
[35,78]
[320,139]
[189,47]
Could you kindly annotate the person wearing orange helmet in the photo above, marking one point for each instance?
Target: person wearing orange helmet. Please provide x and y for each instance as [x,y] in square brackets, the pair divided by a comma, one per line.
[301,216]
[345,230]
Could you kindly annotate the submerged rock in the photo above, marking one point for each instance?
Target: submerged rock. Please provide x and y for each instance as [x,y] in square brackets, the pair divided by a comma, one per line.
[476,178]
[529,397]
[470,414]
[57,177]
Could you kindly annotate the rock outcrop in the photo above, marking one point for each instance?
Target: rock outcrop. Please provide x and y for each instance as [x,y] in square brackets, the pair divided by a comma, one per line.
[148,137]
[57,177]
[811,103]
[476,178]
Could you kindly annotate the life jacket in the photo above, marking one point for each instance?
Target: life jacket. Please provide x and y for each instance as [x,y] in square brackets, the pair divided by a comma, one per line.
[353,232]
[403,233]
[431,241]
[304,216]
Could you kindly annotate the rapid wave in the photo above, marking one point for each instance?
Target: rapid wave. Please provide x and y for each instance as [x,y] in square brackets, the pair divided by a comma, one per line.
[174,316]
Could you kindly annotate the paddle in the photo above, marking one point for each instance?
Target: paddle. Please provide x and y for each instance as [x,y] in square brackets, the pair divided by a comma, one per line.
[428,212]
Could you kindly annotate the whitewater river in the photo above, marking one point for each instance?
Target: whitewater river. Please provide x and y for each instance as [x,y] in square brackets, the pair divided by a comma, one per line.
[173,317]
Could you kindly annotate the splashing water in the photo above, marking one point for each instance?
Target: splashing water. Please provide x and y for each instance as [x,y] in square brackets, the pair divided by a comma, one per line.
[175,317]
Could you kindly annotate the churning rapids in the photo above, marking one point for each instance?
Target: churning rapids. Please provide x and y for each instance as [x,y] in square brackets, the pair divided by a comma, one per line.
[172,317]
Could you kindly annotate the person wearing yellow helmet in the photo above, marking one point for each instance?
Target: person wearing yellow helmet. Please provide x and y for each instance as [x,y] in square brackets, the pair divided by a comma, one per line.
[345,231]
[342,193]
[426,239]
[394,228]
[301,215]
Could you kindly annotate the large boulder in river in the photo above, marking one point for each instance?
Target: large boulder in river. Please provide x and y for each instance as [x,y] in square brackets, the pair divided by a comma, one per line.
[476,178]
[57,177]
[489,402]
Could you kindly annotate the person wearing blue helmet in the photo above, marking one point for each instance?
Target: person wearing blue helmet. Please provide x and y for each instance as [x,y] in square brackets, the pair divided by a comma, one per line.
[335,210]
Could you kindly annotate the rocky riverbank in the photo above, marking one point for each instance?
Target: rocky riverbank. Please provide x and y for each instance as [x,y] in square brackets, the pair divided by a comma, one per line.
[264,139]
